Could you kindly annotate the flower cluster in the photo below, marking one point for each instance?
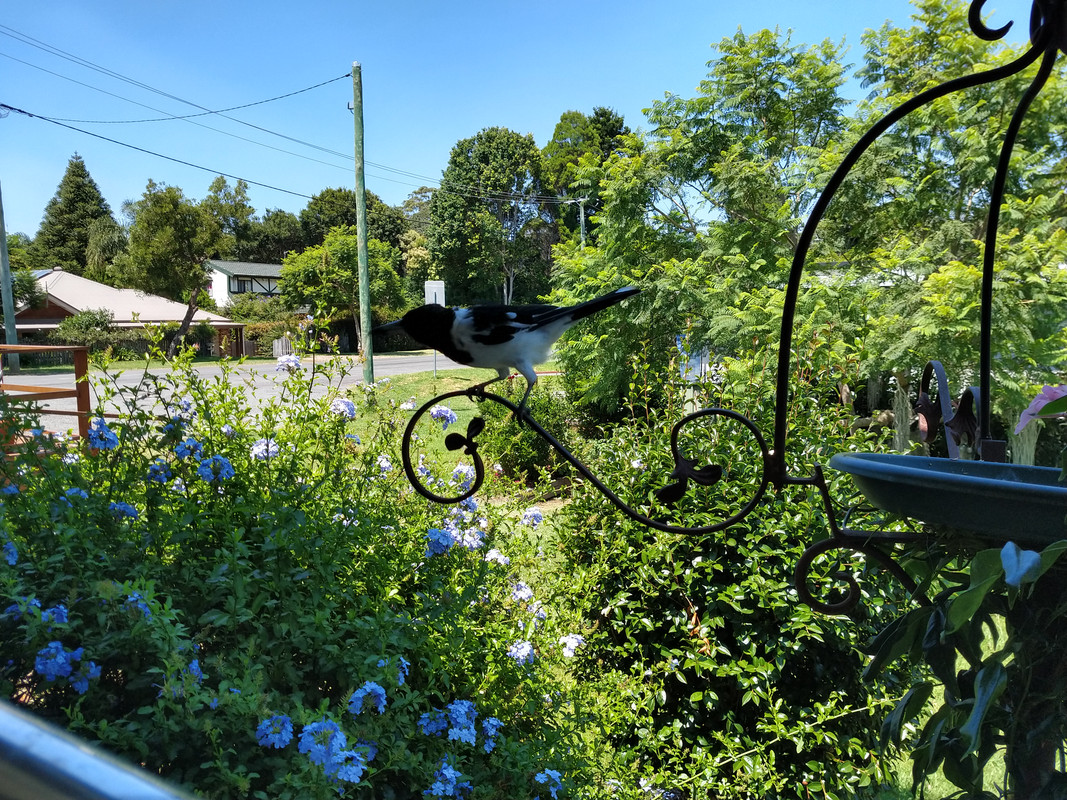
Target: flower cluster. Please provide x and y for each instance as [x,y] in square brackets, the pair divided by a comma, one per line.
[522,652]
[369,689]
[343,407]
[101,436]
[445,782]
[56,661]
[443,414]
[262,449]
[288,363]
[190,448]
[552,778]
[459,718]
[571,642]
[120,509]
[532,517]
[215,469]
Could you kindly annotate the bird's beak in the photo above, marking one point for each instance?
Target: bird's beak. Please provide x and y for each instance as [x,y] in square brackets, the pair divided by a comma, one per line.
[387,327]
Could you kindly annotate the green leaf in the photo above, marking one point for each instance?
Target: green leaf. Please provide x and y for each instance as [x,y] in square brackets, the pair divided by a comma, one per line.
[966,603]
[988,685]
[906,709]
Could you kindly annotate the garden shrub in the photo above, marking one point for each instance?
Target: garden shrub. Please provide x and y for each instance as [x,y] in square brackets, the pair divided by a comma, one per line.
[250,601]
[735,688]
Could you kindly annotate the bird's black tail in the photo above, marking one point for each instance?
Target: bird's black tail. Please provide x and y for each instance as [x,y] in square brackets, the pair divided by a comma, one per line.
[583,310]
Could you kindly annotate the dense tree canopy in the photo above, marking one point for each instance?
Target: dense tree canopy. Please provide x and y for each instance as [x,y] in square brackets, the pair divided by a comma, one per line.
[491,221]
[63,237]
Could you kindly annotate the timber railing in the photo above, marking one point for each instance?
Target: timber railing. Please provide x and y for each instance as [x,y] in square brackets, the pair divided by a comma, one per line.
[40,394]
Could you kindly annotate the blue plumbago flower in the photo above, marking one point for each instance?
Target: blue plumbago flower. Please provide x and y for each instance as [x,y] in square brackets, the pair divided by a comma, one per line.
[402,671]
[445,782]
[490,728]
[55,661]
[216,468]
[73,492]
[571,642]
[195,671]
[353,438]
[438,541]
[320,740]
[159,471]
[384,464]
[120,509]
[497,557]
[464,475]
[408,405]
[434,723]
[55,614]
[443,414]
[136,600]
[229,431]
[343,407]
[178,485]
[11,554]
[190,448]
[522,651]
[462,714]
[347,765]
[101,436]
[262,449]
[23,604]
[289,363]
[9,490]
[276,731]
[532,516]
[521,592]
[368,689]
[80,679]
[552,778]
[370,748]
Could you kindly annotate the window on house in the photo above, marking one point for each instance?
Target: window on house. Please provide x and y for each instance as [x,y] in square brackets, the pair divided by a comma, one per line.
[242,285]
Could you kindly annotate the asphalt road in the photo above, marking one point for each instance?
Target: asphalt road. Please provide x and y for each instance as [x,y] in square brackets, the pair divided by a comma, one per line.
[262,377]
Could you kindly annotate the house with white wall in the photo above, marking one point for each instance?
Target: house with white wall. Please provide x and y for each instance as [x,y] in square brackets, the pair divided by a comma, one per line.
[229,278]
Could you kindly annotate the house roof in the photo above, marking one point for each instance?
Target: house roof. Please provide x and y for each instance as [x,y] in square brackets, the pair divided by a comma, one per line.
[243,269]
[74,293]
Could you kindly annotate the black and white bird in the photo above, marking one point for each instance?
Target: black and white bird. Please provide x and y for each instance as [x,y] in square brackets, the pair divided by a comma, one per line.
[499,337]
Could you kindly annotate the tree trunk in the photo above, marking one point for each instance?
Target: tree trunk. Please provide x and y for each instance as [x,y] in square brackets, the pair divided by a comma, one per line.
[902,411]
[183,329]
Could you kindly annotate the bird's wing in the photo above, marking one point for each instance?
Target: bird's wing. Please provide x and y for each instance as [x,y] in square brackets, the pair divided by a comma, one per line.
[497,324]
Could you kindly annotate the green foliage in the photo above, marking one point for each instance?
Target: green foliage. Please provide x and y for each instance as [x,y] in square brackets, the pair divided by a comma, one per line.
[170,584]
[63,237]
[93,329]
[332,208]
[490,228]
[252,307]
[733,688]
[25,289]
[988,644]
[170,239]
[235,217]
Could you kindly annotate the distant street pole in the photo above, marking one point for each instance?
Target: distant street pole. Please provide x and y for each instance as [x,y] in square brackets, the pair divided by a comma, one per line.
[361,229]
[581,216]
[7,286]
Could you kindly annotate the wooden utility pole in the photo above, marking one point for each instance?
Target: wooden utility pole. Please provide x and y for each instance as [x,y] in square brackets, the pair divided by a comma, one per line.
[361,229]
[7,286]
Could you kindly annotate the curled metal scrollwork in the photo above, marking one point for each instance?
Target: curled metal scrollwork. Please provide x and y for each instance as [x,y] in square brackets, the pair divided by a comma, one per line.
[685,470]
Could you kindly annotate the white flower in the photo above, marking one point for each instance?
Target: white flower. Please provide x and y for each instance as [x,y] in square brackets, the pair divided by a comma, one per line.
[497,557]
[343,407]
[571,642]
[288,363]
[262,449]
[408,405]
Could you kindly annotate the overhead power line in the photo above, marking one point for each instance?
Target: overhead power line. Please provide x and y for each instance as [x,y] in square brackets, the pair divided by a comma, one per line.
[6,107]
[467,191]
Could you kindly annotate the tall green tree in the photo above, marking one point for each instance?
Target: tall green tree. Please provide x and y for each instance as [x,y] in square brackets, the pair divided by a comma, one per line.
[578,137]
[275,236]
[63,236]
[332,208]
[236,218]
[170,239]
[326,277]
[107,240]
[491,221]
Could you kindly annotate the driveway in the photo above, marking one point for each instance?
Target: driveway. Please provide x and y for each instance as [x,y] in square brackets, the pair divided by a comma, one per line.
[262,376]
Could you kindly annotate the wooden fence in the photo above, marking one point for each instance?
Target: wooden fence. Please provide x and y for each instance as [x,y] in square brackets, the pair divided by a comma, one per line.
[40,394]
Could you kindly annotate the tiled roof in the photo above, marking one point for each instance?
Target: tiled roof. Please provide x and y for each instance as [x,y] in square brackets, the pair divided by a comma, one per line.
[244,269]
[76,293]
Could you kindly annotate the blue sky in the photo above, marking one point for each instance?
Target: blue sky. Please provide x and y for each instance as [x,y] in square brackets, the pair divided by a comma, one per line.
[433,73]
